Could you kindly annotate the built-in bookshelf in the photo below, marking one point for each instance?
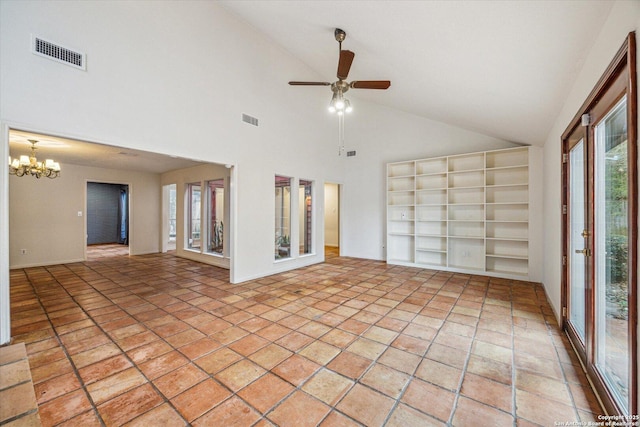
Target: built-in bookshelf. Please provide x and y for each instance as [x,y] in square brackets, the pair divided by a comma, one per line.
[468,213]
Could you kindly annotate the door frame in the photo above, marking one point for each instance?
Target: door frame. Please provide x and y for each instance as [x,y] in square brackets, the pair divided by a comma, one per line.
[623,62]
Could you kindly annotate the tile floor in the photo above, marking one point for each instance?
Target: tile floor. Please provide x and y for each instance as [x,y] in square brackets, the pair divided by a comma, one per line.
[159,340]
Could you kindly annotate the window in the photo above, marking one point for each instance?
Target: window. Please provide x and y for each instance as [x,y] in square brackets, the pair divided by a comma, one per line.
[600,227]
[215,214]
[172,213]
[305,216]
[282,217]
[193,219]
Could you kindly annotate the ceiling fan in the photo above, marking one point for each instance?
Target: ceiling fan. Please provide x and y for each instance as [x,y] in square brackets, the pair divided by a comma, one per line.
[339,104]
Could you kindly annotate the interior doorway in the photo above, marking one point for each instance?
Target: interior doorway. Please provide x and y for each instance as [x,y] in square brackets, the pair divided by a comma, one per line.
[331,220]
[107,214]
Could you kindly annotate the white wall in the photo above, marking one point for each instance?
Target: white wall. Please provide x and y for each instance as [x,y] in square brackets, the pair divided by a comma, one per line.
[174,78]
[331,215]
[381,135]
[624,18]
[43,214]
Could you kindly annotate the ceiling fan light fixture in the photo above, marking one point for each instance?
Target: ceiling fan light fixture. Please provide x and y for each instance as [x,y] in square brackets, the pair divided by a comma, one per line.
[347,106]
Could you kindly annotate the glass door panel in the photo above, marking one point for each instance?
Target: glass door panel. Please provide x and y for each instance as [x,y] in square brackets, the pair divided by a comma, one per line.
[611,246]
[577,227]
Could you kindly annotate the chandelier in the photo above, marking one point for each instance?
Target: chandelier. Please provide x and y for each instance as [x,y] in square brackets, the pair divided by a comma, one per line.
[29,165]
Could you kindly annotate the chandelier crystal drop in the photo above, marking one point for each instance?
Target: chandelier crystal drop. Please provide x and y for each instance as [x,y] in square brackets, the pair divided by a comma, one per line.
[29,165]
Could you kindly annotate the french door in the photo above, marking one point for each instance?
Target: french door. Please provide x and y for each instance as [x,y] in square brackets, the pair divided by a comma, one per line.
[600,200]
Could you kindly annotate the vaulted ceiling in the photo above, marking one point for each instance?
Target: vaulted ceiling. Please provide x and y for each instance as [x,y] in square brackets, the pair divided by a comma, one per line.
[501,68]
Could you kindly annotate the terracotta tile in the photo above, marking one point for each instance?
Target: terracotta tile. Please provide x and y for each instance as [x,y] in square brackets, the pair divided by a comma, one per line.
[138,340]
[366,406]
[46,356]
[95,355]
[492,351]
[294,341]
[199,399]
[64,407]
[270,356]
[404,415]
[338,338]
[233,412]
[392,324]
[50,370]
[273,332]
[129,405]
[14,373]
[163,415]
[354,326]
[179,380]
[109,387]
[538,365]
[411,344]
[229,335]
[218,360]
[488,392]
[163,364]
[447,355]
[149,351]
[503,340]
[381,335]
[199,348]
[248,345]
[320,352]
[288,412]
[16,401]
[255,323]
[276,389]
[327,386]
[104,368]
[430,399]
[314,329]
[350,364]
[240,374]
[491,369]
[585,399]
[528,406]
[336,419]
[471,412]
[367,348]
[85,419]
[296,369]
[440,374]
[186,337]
[386,380]
[55,387]
[543,386]
[400,360]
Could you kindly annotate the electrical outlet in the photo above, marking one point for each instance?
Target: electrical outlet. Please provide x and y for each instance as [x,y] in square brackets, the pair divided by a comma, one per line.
[23,251]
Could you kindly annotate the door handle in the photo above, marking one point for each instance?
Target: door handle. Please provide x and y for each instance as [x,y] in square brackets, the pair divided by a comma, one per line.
[584,252]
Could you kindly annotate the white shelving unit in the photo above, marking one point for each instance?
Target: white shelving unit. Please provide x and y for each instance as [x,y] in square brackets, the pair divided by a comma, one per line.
[477,213]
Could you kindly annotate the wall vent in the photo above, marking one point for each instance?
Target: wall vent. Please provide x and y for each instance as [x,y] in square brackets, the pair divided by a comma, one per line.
[249,119]
[58,53]
[351,153]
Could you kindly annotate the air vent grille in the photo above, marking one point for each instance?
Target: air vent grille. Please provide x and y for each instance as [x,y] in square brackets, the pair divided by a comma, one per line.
[249,119]
[351,153]
[58,53]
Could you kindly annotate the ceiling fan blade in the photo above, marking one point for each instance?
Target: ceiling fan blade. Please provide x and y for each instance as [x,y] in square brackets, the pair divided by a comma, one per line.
[310,84]
[344,64]
[371,84]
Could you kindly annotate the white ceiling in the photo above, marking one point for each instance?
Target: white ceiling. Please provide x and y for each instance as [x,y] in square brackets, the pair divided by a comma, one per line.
[70,151]
[502,68]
